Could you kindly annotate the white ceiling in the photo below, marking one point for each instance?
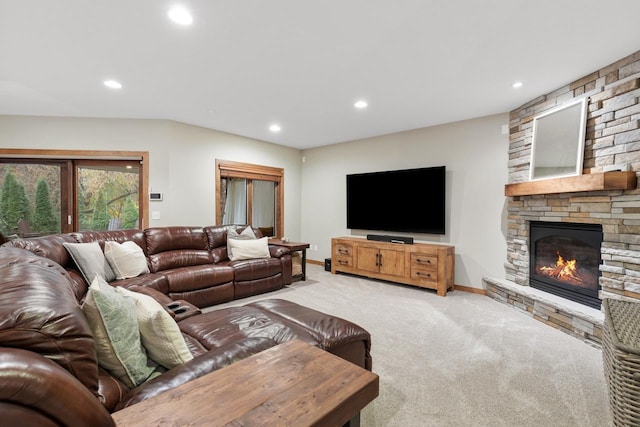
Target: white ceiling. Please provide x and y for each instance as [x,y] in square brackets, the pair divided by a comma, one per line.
[245,64]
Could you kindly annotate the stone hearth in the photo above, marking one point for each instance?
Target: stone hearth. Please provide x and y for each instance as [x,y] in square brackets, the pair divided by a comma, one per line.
[578,320]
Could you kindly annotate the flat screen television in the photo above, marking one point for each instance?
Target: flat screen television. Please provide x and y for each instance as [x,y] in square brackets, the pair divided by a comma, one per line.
[409,200]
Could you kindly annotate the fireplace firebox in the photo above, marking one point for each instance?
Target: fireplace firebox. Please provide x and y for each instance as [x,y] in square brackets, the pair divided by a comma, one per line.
[565,260]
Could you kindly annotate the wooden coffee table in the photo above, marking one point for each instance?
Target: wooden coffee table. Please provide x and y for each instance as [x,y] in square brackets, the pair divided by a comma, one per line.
[292,384]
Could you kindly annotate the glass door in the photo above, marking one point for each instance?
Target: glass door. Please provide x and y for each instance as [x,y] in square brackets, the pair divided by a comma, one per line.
[32,201]
[107,195]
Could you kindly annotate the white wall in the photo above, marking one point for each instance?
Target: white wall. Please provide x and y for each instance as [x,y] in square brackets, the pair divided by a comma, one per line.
[475,155]
[182,159]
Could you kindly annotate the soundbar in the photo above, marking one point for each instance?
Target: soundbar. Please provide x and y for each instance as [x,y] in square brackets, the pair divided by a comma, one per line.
[391,239]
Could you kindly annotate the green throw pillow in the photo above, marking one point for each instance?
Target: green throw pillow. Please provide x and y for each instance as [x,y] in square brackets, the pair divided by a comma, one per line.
[112,318]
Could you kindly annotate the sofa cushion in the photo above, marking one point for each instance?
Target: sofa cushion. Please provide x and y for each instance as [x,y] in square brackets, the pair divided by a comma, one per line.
[126,259]
[162,239]
[254,269]
[48,247]
[129,235]
[338,336]
[179,258]
[159,333]
[249,249]
[90,260]
[198,277]
[222,327]
[112,317]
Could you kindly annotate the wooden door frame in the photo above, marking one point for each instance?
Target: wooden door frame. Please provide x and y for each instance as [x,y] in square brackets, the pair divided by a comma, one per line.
[231,169]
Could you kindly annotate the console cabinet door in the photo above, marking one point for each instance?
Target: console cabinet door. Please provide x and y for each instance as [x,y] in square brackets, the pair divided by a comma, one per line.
[368,258]
[376,260]
[391,262]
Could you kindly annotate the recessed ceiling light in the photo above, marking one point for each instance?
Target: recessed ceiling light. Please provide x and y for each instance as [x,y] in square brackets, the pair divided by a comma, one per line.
[113,84]
[275,128]
[517,85]
[361,104]
[181,16]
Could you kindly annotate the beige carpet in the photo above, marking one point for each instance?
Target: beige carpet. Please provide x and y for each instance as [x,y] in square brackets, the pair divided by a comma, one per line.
[461,360]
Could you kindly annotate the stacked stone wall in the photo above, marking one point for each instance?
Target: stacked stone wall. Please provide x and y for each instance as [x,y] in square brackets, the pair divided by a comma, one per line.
[612,142]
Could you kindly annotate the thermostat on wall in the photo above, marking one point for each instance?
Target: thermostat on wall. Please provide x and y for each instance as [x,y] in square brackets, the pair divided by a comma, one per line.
[155,196]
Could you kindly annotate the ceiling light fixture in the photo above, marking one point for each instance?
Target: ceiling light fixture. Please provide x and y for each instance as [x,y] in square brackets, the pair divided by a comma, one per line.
[181,16]
[275,128]
[113,84]
[361,104]
[517,85]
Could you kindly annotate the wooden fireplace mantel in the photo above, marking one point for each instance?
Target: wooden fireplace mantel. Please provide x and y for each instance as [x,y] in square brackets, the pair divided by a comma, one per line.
[571,184]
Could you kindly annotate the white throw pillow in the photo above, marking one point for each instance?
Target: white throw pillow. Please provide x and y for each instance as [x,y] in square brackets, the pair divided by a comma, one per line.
[247,234]
[126,259]
[160,334]
[249,249]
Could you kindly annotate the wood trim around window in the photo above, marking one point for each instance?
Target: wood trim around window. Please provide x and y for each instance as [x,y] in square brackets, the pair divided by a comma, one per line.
[141,156]
[231,169]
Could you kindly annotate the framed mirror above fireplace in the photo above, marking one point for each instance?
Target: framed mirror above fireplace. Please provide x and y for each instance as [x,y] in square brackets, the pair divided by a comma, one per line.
[558,141]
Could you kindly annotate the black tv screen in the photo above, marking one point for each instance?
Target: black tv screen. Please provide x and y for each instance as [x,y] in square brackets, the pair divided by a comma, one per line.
[410,200]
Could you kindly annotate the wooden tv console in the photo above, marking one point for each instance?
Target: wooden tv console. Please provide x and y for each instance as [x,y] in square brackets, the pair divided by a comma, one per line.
[419,264]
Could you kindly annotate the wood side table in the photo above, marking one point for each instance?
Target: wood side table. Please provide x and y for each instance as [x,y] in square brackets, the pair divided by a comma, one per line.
[292,384]
[294,247]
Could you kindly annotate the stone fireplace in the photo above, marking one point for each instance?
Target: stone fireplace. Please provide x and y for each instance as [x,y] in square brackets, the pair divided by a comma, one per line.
[612,143]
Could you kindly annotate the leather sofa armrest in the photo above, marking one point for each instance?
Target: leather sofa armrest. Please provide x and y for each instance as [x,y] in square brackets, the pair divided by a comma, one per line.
[35,388]
[182,309]
[278,251]
[178,309]
[201,365]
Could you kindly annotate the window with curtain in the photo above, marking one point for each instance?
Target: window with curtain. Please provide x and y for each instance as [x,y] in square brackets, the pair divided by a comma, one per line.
[250,194]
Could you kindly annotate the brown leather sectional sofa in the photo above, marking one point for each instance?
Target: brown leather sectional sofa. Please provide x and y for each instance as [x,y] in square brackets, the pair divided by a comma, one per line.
[185,263]
[48,360]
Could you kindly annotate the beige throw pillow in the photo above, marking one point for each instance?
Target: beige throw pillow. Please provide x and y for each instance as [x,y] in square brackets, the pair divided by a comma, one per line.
[249,249]
[126,259]
[247,234]
[160,334]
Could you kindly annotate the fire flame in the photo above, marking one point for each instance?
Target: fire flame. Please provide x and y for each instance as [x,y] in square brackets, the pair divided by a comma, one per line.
[563,270]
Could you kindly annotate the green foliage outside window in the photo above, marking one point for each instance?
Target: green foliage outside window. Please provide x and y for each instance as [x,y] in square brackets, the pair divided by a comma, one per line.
[44,219]
[107,198]
[130,214]
[14,204]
